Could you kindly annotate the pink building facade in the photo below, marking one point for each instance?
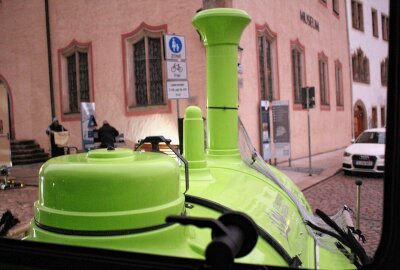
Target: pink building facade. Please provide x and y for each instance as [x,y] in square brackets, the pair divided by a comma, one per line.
[99,45]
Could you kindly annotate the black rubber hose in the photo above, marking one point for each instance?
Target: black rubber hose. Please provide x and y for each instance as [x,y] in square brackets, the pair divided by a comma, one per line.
[293,262]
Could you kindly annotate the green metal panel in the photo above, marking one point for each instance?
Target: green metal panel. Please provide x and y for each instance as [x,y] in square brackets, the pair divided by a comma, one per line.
[221,30]
[108,190]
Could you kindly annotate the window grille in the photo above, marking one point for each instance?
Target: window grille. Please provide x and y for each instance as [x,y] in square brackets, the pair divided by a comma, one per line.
[147,62]
[72,87]
[78,80]
[270,90]
[261,66]
[139,59]
[297,74]
[323,80]
[267,65]
[155,70]
[83,77]
[339,84]
[360,65]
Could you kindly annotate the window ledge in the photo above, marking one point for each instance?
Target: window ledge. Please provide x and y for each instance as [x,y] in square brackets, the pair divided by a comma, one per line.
[70,116]
[298,107]
[340,108]
[146,110]
[367,83]
[326,107]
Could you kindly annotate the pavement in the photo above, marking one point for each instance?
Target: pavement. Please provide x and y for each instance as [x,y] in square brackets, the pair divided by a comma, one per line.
[323,166]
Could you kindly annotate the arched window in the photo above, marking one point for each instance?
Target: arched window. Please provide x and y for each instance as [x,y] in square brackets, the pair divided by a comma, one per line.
[339,84]
[360,66]
[268,64]
[143,58]
[298,70]
[323,79]
[76,82]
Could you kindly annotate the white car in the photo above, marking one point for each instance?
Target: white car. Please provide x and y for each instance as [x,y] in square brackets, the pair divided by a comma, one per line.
[367,153]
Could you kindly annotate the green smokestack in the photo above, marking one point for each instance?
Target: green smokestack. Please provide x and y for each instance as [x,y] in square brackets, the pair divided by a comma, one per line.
[221,29]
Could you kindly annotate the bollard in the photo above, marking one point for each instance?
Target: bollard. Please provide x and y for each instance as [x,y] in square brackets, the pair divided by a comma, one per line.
[358,199]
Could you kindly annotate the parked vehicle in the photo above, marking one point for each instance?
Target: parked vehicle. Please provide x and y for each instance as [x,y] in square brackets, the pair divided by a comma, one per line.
[367,153]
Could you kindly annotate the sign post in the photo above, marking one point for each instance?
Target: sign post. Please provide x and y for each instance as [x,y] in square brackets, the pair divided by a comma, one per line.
[265,129]
[177,83]
[308,95]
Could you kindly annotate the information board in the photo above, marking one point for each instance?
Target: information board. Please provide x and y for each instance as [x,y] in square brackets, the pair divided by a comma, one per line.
[177,89]
[88,123]
[281,128]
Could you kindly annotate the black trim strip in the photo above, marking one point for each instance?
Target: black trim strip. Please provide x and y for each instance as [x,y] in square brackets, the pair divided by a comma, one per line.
[348,254]
[293,262]
[353,243]
[222,108]
[332,234]
[101,233]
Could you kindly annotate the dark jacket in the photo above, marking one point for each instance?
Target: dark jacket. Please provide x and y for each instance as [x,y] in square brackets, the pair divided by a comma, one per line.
[107,135]
[55,150]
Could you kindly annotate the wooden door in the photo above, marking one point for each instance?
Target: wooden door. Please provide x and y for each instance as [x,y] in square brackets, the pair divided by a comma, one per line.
[358,121]
[5,150]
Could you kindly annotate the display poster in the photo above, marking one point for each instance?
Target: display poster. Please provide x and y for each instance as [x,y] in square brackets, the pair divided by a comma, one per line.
[265,129]
[88,124]
[281,128]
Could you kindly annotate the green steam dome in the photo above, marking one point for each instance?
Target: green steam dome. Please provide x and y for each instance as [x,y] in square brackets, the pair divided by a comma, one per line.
[108,190]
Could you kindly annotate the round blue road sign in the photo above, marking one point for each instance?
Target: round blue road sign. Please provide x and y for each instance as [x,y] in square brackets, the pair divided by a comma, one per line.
[175,45]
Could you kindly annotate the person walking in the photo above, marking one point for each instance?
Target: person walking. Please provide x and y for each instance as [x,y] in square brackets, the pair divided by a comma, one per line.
[107,134]
[54,127]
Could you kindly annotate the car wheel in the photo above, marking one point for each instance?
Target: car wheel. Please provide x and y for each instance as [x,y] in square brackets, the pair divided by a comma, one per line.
[346,172]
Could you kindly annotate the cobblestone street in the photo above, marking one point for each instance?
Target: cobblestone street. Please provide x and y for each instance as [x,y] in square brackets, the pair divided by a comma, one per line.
[20,203]
[331,194]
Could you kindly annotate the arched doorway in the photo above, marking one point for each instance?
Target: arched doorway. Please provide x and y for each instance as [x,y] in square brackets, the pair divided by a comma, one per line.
[5,126]
[360,118]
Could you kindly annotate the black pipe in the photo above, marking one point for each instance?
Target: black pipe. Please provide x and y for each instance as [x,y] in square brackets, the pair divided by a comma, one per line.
[53,113]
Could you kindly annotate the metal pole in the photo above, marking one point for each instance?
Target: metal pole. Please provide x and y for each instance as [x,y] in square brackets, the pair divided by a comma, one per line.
[358,200]
[309,135]
[180,148]
[49,61]
[177,108]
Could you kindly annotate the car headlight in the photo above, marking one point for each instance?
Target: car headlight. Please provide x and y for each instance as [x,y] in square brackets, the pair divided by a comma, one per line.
[346,154]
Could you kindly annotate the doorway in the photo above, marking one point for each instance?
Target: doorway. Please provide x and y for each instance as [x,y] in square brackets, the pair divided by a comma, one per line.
[5,148]
[359,119]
